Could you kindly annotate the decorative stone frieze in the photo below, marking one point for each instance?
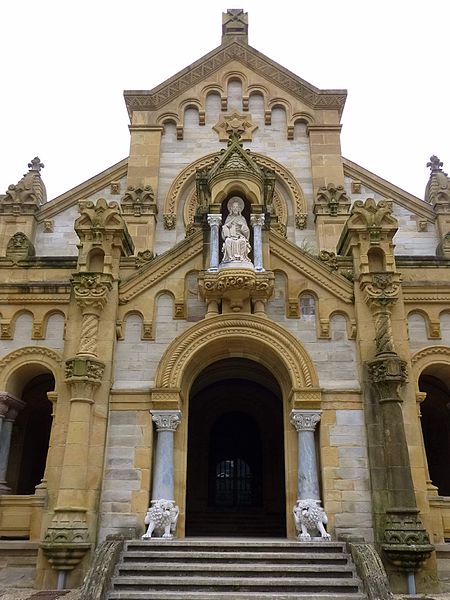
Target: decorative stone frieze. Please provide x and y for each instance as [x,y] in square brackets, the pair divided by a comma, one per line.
[406,542]
[19,247]
[331,200]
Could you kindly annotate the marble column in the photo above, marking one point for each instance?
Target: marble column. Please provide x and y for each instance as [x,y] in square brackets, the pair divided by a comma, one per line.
[257,222]
[214,222]
[163,512]
[10,406]
[305,422]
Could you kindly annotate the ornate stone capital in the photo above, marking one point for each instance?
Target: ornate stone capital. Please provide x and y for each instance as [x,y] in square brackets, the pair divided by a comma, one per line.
[166,420]
[405,542]
[91,290]
[381,287]
[10,406]
[83,375]
[214,220]
[387,373]
[305,420]
[257,220]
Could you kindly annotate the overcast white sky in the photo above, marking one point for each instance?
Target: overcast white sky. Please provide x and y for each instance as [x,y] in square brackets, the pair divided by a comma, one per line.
[64,66]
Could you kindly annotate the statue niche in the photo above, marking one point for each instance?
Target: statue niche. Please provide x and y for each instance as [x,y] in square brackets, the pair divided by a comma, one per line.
[235,234]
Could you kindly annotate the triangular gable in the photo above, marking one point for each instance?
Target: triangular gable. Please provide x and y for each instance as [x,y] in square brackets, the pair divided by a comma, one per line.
[89,187]
[216,60]
[388,190]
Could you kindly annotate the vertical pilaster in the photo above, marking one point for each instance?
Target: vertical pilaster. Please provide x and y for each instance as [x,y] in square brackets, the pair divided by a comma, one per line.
[9,409]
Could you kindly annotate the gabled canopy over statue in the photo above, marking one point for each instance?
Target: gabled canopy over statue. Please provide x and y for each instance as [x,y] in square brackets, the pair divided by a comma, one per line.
[235,233]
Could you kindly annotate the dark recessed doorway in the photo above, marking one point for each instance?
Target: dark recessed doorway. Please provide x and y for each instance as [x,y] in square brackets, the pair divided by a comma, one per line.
[235,474]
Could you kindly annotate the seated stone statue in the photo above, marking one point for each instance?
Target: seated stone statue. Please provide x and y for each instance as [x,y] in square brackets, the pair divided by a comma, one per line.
[235,233]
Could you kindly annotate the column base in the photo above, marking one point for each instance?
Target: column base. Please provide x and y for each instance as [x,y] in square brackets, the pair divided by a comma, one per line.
[310,516]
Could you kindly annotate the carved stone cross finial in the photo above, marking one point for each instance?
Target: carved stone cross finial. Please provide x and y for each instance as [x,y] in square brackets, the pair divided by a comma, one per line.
[235,23]
[435,164]
[35,165]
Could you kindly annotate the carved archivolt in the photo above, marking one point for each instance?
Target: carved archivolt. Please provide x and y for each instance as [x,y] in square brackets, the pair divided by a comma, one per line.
[430,355]
[253,337]
[187,176]
[46,357]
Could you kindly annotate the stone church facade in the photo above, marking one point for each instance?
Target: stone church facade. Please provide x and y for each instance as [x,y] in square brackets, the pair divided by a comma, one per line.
[232,318]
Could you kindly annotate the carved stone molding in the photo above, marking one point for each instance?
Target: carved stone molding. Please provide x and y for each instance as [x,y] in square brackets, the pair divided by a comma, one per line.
[437,351]
[406,543]
[250,331]
[166,420]
[305,420]
[236,285]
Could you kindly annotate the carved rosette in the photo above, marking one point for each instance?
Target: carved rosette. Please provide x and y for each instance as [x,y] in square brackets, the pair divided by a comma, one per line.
[387,373]
[305,420]
[406,542]
[66,540]
[166,420]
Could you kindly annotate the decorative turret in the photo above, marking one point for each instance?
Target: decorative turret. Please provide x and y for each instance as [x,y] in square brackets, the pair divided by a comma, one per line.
[20,205]
[437,193]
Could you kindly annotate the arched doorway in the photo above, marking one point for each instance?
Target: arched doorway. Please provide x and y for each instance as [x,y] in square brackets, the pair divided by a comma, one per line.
[235,472]
[30,436]
[435,420]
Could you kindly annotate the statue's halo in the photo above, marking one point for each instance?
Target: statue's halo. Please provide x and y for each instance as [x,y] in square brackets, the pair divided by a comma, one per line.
[234,199]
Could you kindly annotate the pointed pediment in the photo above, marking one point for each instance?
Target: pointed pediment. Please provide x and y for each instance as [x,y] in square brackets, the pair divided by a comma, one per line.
[217,59]
[235,160]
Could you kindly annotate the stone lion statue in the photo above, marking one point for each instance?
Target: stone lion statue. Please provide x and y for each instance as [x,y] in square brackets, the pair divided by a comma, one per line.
[309,515]
[161,519]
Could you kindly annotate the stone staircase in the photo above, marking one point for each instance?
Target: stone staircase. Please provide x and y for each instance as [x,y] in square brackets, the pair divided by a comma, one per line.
[234,569]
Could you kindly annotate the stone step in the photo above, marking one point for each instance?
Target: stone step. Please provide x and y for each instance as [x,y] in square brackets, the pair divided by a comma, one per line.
[183,595]
[245,569]
[266,557]
[243,584]
[237,545]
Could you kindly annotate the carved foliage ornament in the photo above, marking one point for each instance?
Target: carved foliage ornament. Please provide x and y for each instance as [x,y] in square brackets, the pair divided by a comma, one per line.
[84,368]
[387,374]
[91,289]
[332,200]
[139,201]
[19,247]
[305,420]
[166,420]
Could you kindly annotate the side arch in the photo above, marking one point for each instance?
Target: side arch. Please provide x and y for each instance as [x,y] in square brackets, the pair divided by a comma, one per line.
[35,360]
